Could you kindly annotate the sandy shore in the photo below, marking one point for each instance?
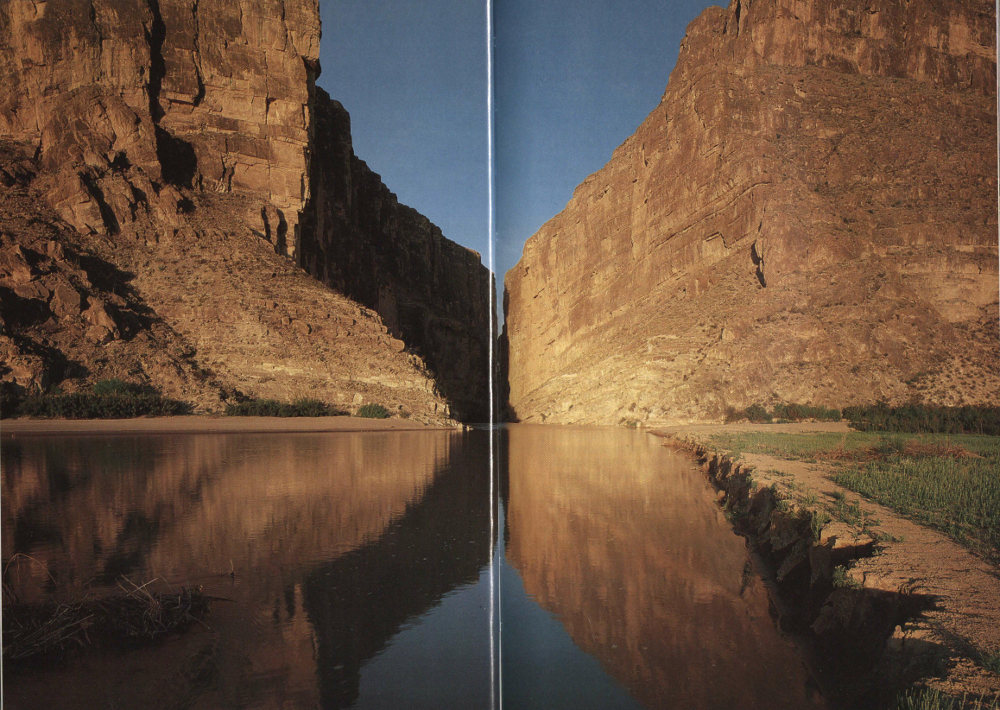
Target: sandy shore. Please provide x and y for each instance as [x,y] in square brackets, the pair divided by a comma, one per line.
[195,424]
[966,587]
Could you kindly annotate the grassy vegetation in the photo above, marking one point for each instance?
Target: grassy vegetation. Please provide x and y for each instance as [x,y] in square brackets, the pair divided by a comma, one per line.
[108,399]
[782,412]
[304,407]
[991,662]
[372,411]
[918,418]
[960,496]
[930,699]
[792,446]
[951,483]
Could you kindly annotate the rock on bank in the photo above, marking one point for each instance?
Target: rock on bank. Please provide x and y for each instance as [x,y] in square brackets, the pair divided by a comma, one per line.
[809,215]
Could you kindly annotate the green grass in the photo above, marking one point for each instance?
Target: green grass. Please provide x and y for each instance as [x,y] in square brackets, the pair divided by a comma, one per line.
[372,411]
[960,497]
[842,580]
[930,699]
[108,399]
[305,407]
[791,446]
[826,445]
[949,482]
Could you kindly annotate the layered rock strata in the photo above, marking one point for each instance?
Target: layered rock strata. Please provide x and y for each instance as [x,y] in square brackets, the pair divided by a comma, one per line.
[808,216]
[125,100]
[174,140]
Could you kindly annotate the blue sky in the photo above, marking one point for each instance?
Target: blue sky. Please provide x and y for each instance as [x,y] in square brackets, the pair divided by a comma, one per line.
[573,80]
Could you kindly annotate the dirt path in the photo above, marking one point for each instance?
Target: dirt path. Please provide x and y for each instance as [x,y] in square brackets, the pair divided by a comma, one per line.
[966,618]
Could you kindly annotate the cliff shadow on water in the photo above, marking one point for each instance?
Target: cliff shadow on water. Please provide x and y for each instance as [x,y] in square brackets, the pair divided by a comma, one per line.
[358,603]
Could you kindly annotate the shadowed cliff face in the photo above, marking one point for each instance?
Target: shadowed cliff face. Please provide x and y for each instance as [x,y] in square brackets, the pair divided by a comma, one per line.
[430,292]
[172,140]
[809,215]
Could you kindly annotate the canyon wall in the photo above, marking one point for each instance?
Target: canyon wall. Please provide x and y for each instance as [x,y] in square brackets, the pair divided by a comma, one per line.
[430,292]
[808,216]
[174,142]
[124,100]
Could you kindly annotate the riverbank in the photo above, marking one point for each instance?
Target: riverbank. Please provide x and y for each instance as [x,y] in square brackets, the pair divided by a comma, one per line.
[207,424]
[846,565]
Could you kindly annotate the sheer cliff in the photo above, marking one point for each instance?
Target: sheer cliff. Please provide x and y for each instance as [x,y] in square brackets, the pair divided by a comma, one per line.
[175,143]
[429,291]
[808,216]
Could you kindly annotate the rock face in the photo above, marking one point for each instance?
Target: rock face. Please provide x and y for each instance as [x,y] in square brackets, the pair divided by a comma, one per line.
[808,216]
[172,140]
[430,292]
[122,98]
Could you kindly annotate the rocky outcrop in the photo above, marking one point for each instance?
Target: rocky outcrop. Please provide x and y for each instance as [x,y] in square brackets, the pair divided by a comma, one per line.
[125,101]
[173,139]
[809,215]
[430,292]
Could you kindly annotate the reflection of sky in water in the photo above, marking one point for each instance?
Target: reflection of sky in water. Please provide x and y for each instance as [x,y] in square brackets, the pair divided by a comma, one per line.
[417,669]
[542,667]
[361,571]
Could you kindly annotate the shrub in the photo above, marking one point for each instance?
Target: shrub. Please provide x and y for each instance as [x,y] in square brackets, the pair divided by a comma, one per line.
[756,413]
[782,412]
[372,411]
[110,399]
[925,419]
[308,407]
[256,408]
[114,386]
[304,407]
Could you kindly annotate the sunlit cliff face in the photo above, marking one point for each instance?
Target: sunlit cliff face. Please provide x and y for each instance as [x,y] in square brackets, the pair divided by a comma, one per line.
[621,540]
[808,215]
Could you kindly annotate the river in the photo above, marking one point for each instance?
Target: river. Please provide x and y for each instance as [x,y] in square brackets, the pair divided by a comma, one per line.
[354,570]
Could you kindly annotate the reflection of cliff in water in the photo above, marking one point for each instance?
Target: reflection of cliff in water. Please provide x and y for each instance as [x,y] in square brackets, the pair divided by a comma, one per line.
[279,509]
[621,539]
[192,506]
[358,602]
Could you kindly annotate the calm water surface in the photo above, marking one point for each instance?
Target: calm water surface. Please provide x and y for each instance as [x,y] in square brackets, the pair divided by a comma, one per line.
[356,569]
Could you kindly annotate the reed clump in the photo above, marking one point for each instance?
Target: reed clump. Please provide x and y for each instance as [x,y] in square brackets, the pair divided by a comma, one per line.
[135,615]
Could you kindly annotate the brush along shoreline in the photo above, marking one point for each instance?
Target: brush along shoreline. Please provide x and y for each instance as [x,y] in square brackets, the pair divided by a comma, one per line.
[884,603]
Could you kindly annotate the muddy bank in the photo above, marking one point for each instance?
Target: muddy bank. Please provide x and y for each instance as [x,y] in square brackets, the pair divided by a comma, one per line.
[195,424]
[881,609]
